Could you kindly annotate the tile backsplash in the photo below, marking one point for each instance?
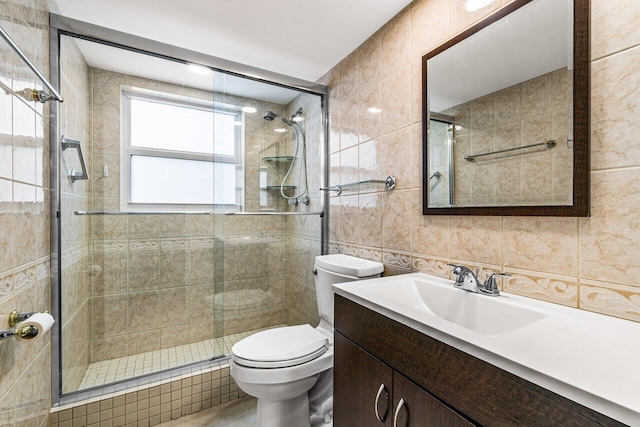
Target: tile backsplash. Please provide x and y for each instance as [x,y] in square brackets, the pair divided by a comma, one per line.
[376,130]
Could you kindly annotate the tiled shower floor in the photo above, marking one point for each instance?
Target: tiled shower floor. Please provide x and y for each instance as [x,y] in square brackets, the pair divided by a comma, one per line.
[124,368]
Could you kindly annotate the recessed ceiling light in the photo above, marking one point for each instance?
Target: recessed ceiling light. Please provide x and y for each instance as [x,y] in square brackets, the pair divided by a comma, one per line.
[473,5]
[280,130]
[374,110]
[298,119]
[199,69]
[249,110]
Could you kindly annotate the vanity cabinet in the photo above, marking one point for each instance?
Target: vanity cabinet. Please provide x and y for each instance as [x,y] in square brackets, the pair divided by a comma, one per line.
[441,385]
[369,393]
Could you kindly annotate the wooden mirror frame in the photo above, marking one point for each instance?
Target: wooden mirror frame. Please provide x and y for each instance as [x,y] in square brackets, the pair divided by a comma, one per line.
[581,122]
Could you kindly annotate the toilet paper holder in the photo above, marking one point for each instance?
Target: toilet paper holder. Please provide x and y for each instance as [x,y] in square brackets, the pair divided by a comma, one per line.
[25,332]
[16,317]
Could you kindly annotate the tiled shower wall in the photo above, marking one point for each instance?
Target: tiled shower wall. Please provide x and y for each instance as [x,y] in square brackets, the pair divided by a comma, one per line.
[303,232]
[531,112]
[75,123]
[155,274]
[25,378]
[588,263]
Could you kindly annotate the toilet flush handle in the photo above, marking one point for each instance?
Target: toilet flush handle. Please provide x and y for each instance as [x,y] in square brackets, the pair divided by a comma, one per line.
[315,271]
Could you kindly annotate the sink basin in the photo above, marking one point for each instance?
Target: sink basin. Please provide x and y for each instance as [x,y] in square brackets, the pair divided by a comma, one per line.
[483,314]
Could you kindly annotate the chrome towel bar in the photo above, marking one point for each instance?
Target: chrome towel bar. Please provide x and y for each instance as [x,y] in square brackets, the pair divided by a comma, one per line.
[550,144]
[321,214]
[390,183]
[74,174]
[94,213]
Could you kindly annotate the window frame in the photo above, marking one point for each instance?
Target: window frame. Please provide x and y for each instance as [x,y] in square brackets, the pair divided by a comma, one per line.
[127,151]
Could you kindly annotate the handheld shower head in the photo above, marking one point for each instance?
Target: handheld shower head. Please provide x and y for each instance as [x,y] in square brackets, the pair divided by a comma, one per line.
[270,115]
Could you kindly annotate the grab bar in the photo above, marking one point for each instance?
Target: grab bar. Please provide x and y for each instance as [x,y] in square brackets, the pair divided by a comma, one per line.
[74,174]
[36,95]
[550,144]
[390,183]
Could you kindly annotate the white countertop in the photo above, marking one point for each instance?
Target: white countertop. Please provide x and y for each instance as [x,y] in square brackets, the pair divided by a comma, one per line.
[589,358]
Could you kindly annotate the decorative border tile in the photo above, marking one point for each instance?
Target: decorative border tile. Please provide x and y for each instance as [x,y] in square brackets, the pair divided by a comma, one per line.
[24,276]
[73,255]
[397,260]
[110,245]
[144,245]
[551,288]
[174,243]
[435,266]
[251,240]
[334,248]
[6,286]
[373,254]
[199,243]
[614,300]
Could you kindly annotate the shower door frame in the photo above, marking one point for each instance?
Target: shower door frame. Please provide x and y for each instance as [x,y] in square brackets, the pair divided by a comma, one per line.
[60,25]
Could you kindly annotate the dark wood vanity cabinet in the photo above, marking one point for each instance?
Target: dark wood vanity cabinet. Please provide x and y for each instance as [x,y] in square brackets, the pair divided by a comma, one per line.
[365,388]
[440,385]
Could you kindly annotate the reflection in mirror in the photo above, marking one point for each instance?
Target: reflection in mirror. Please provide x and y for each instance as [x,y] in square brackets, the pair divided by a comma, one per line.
[500,104]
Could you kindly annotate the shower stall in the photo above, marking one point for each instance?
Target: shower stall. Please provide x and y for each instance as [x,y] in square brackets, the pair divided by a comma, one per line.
[186,209]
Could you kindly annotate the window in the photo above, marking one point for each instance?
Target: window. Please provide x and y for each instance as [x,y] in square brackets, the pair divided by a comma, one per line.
[179,153]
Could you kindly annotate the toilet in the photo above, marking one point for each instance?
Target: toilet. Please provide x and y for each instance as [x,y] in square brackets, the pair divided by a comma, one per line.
[290,369]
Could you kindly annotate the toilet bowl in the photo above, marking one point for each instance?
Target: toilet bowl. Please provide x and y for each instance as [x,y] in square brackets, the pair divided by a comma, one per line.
[289,369]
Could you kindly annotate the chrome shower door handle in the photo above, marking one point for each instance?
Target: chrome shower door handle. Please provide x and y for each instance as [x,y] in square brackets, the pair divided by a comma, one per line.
[382,417]
[74,174]
[397,413]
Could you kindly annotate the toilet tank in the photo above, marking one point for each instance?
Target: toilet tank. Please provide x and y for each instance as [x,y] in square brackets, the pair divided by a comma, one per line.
[339,268]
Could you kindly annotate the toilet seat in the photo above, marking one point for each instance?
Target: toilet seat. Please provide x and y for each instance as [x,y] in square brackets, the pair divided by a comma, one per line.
[280,347]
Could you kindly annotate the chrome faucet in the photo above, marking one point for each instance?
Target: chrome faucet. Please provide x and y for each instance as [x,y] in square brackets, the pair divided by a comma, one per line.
[468,281]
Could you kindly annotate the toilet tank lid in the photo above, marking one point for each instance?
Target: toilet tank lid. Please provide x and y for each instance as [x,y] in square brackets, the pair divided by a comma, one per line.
[349,265]
[280,344]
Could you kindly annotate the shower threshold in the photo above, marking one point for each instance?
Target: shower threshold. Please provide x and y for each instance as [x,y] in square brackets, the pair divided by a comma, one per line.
[124,368]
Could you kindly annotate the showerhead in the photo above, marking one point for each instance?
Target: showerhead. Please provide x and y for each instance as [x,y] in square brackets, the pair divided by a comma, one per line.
[270,115]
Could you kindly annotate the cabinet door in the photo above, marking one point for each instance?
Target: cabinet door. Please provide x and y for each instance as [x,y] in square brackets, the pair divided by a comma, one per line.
[361,387]
[413,407]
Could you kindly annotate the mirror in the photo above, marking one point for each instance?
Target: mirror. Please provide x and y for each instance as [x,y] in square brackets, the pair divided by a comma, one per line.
[506,114]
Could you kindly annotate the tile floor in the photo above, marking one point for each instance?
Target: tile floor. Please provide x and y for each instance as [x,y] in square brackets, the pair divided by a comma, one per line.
[124,368]
[239,413]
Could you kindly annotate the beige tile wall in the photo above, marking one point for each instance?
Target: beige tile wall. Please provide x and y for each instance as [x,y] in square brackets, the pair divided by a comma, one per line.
[527,113]
[75,123]
[303,232]
[24,215]
[588,263]
[157,275]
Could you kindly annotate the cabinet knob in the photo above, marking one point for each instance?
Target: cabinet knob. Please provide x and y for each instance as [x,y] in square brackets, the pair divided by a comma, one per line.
[395,415]
[375,405]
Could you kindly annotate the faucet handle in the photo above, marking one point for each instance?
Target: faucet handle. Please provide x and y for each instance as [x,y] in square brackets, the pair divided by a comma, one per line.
[490,286]
[457,269]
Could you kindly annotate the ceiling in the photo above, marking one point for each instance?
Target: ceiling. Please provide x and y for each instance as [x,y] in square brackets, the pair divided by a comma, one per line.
[302,39]
[150,67]
[530,42]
